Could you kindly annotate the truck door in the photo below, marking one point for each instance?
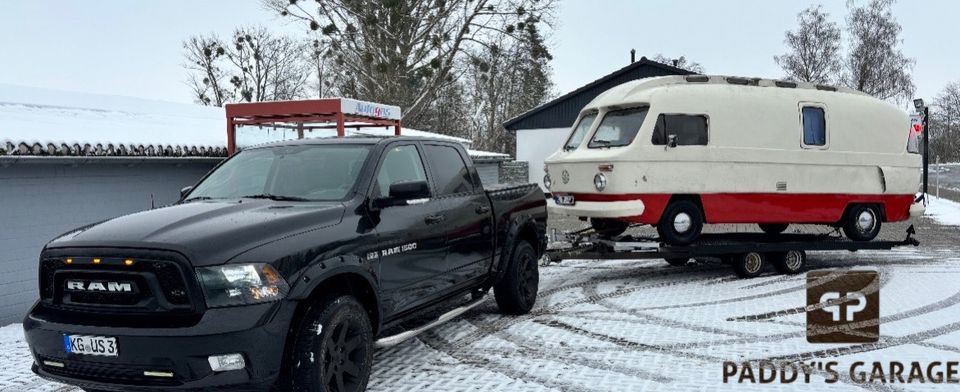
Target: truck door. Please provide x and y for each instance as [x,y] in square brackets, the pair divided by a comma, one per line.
[469,220]
[410,237]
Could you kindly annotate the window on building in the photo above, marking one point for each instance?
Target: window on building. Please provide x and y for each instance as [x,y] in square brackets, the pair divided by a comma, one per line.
[401,164]
[618,128]
[449,169]
[814,126]
[580,131]
[690,130]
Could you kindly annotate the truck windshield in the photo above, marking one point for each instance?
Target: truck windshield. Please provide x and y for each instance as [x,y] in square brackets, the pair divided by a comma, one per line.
[580,131]
[292,173]
[618,128]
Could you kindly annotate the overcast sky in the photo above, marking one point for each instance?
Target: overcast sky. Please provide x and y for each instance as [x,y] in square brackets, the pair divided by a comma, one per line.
[134,47]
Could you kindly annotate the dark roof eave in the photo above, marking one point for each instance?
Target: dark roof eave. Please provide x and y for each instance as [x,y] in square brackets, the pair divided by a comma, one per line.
[642,62]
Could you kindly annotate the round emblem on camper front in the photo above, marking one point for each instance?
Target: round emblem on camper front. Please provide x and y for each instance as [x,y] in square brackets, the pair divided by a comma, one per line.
[565,176]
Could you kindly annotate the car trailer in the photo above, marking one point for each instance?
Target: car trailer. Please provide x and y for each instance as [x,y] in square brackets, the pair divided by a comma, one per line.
[748,253]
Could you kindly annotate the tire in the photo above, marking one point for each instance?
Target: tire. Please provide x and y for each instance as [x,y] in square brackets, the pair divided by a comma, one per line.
[516,292]
[678,261]
[608,228]
[749,265]
[773,228]
[861,222]
[681,223]
[338,358]
[790,262]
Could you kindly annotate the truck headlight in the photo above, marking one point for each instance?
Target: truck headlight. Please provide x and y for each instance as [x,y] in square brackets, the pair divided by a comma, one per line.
[241,284]
[600,181]
[546,181]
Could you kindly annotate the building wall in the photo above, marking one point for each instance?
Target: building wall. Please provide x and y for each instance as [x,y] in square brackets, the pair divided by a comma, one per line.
[535,145]
[489,172]
[514,172]
[39,201]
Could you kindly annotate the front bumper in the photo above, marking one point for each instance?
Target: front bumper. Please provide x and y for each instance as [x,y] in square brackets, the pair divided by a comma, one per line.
[257,331]
[599,209]
[917,209]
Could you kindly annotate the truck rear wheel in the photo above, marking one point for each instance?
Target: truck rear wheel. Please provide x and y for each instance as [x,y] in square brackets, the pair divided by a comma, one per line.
[608,228]
[790,262]
[861,222]
[680,223]
[333,351]
[749,265]
[516,292]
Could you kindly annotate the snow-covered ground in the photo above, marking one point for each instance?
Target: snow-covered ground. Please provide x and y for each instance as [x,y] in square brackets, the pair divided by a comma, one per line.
[638,325]
[945,211]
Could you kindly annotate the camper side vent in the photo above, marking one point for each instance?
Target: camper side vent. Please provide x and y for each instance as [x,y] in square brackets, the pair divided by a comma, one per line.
[782,83]
[826,88]
[781,186]
[697,79]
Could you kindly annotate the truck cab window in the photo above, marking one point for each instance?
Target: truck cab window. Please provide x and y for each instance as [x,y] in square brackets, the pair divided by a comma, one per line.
[449,169]
[580,131]
[814,126]
[401,164]
[691,130]
[618,128]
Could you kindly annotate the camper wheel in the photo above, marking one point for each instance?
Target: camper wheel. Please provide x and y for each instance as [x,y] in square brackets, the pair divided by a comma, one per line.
[861,222]
[609,228]
[750,264]
[773,228]
[680,223]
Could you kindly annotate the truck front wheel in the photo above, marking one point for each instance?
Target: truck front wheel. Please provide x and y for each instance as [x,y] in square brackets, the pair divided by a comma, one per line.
[516,292]
[334,348]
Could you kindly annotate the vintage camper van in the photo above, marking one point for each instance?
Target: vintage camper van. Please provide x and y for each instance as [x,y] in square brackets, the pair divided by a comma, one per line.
[678,152]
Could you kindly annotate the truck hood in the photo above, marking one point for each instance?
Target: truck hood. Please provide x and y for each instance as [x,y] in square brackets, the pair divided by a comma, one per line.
[206,232]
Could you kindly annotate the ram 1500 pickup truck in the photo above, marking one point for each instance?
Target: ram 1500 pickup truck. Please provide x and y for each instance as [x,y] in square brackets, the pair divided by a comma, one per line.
[282,267]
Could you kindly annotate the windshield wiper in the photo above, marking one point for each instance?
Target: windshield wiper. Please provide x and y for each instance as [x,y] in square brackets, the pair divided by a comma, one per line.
[275,197]
[196,198]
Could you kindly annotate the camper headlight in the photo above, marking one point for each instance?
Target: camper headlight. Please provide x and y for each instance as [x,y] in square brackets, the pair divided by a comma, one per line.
[600,182]
[546,181]
[241,284]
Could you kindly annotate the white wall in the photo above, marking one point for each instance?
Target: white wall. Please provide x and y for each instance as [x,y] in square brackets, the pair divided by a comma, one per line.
[535,145]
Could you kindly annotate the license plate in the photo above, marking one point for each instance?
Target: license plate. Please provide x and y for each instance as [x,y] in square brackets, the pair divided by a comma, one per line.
[564,200]
[90,345]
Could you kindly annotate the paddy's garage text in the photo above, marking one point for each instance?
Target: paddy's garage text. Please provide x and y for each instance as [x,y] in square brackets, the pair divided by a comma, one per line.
[893,372]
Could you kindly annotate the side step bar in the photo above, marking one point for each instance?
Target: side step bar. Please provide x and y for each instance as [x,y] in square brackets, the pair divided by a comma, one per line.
[394,340]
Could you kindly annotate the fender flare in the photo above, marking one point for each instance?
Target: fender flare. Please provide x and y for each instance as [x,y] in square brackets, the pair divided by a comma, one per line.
[323,271]
[517,224]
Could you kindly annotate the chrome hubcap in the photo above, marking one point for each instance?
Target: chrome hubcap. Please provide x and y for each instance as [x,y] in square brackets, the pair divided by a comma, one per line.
[793,260]
[865,221]
[752,262]
[681,222]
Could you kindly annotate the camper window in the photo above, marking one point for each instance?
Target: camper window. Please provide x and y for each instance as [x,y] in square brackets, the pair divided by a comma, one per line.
[618,128]
[690,130]
[814,126]
[580,131]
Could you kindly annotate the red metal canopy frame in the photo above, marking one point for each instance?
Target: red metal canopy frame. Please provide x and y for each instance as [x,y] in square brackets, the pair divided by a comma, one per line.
[310,114]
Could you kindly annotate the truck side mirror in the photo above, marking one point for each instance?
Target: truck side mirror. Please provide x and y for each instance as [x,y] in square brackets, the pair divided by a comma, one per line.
[402,193]
[184,191]
[671,141]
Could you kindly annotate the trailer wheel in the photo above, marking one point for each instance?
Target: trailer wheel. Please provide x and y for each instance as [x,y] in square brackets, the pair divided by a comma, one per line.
[749,265]
[678,261]
[773,228]
[790,262]
[608,228]
[861,222]
[680,223]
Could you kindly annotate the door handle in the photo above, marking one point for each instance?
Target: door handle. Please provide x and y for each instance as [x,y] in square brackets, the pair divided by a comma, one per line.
[433,219]
[482,209]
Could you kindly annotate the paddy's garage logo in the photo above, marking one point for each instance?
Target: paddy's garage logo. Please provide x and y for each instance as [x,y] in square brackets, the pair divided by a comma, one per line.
[893,372]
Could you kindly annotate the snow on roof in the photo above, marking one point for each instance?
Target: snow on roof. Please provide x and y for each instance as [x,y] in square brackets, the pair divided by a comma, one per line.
[37,121]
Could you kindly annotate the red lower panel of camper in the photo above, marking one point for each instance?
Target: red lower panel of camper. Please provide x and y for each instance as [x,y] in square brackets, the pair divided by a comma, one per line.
[765,207]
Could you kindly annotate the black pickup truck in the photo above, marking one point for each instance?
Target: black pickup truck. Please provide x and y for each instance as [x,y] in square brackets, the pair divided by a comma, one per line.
[281,268]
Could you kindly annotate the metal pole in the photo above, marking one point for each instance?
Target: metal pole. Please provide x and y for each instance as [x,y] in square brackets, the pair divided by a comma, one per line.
[926,150]
[938,177]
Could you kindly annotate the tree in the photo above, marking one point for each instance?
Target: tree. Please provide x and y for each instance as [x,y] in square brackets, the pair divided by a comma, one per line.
[407,52]
[255,66]
[813,50]
[680,62]
[945,124]
[876,65]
